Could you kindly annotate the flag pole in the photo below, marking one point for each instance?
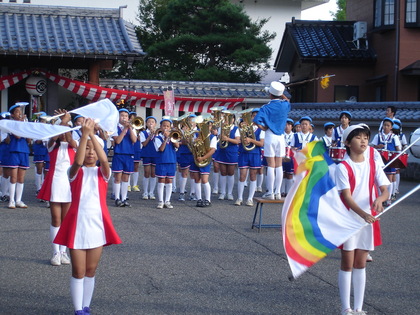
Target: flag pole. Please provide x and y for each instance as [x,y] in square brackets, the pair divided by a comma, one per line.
[399,200]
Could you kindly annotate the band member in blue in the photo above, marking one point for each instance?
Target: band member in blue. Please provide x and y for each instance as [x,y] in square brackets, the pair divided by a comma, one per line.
[272,119]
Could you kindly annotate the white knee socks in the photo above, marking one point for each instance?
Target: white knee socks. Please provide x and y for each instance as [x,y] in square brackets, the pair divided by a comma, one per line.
[222,184]
[252,188]
[278,179]
[160,189]
[207,191]
[53,233]
[230,184]
[168,192]
[270,179]
[359,283]
[76,290]
[344,286]
[182,184]
[241,186]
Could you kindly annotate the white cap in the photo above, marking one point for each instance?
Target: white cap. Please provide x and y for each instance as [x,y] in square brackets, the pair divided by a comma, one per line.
[276,88]
[350,129]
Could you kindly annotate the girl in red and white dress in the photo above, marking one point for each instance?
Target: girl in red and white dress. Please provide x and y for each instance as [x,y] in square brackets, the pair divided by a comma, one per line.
[357,177]
[56,186]
[87,226]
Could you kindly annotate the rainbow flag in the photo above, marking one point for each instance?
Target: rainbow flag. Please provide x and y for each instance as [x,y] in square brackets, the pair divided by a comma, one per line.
[314,219]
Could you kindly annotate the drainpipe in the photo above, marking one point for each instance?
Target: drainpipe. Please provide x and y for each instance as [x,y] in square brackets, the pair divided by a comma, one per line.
[397,50]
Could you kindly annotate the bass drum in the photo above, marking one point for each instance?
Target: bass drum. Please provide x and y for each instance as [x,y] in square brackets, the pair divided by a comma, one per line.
[415,148]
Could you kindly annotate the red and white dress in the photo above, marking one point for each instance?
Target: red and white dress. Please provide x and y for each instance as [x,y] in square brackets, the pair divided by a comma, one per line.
[56,186]
[88,223]
[362,179]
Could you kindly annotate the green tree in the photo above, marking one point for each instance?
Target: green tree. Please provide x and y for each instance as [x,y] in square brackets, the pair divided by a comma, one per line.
[200,40]
[340,15]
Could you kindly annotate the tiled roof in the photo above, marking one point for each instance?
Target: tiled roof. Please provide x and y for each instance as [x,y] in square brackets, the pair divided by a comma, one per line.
[66,32]
[326,41]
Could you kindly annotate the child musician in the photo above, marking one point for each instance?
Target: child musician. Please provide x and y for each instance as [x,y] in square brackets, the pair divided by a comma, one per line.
[388,141]
[357,178]
[148,154]
[302,138]
[328,132]
[165,163]
[123,159]
[250,160]
[345,119]
[56,187]
[87,226]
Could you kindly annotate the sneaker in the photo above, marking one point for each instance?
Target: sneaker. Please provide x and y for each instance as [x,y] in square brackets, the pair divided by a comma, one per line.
[126,204]
[221,196]
[230,197]
[369,258]
[388,203]
[359,312]
[86,310]
[12,205]
[259,189]
[135,188]
[152,196]
[168,205]
[249,203]
[145,196]
[397,192]
[81,312]
[348,311]
[215,191]
[268,196]
[21,204]
[5,198]
[160,205]
[181,197]
[65,259]
[199,203]
[283,194]
[118,203]
[193,197]
[238,202]
[129,188]
[206,203]
[277,196]
[393,197]
[56,259]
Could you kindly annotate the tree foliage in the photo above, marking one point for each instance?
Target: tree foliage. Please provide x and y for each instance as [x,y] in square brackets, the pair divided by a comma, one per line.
[200,40]
[340,15]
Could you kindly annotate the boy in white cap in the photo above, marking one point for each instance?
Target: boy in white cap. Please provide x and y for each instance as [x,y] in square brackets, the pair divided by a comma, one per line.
[272,119]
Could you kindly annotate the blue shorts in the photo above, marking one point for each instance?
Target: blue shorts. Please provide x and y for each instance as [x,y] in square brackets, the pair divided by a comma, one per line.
[247,160]
[16,160]
[149,161]
[165,170]
[390,170]
[202,170]
[123,163]
[226,157]
[185,160]
[288,167]
[137,156]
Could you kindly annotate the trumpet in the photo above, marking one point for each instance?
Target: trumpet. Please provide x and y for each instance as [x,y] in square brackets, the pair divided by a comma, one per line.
[137,123]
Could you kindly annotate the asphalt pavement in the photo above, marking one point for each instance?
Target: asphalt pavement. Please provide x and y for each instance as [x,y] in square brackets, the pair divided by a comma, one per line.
[190,260]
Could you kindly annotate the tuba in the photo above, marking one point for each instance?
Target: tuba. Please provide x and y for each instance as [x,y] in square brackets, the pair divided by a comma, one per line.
[225,126]
[217,115]
[201,144]
[247,129]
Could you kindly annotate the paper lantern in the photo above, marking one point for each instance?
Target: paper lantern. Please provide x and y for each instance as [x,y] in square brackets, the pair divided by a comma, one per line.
[36,85]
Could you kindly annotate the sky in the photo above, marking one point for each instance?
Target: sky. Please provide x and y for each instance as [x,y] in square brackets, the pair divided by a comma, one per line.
[320,12]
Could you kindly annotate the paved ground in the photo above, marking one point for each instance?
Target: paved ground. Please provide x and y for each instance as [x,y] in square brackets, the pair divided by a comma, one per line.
[192,260]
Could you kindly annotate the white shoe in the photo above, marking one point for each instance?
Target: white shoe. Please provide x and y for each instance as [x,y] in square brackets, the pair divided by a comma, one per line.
[12,205]
[348,311]
[259,189]
[229,197]
[152,196]
[369,258]
[215,191]
[268,196]
[221,196]
[65,259]
[277,196]
[145,196]
[249,202]
[56,259]
[168,205]
[135,188]
[21,204]
[238,202]
[129,188]
[160,205]
[193,197]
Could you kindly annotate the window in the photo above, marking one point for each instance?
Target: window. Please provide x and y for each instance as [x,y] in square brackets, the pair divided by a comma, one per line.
[346,93]
[384,13]
[412,15]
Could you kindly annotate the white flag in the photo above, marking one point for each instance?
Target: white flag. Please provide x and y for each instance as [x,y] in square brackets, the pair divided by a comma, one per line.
[33,130]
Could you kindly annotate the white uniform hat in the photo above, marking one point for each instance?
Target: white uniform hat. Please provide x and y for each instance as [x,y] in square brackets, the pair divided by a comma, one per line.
[276,88]
[350,129]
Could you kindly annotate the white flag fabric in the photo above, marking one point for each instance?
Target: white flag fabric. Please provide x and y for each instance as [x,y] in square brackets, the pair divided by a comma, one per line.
[33,130]
[104,111]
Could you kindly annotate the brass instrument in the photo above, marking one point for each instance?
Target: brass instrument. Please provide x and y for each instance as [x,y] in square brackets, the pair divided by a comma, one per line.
[49,119]
[247,129]
[137,123]
[225,126]
[217,115]
[201,144]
